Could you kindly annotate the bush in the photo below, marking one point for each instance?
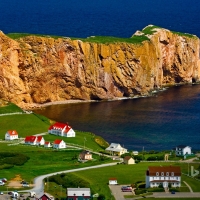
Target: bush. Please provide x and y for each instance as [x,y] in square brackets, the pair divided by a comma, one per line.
[140,191]
[101,197]
[13,158]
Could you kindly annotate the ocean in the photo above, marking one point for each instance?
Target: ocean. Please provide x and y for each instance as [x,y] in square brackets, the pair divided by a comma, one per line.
[160,122]
[78,18]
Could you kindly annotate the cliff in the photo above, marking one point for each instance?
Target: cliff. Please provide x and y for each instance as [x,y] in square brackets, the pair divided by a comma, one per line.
[36,69]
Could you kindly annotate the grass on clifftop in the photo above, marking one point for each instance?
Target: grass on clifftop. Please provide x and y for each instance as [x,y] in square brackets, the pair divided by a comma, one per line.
[6,107]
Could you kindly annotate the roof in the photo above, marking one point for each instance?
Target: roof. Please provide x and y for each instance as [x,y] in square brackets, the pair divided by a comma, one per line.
[57,141]
[115,147]
[127,157]
[45,195]
[85,152]
[58,125]
[153,170]
[30,138]
[39,138]
[12,132]
[112,179]
[47,142]
[78,192]
[182,146]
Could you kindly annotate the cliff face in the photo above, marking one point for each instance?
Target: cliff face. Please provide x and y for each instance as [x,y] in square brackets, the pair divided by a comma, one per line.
[42,69]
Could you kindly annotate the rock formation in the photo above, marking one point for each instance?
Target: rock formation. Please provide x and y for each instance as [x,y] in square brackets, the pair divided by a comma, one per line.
[37,69]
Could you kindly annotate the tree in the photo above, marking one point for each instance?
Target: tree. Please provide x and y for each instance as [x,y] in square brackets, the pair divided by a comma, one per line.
[101,197]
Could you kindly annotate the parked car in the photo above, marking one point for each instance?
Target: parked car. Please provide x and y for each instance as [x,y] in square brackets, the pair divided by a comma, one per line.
[3,180]
[1,193]
[2,183]
[25,185]
[173,192]
[126,189]
[9,193]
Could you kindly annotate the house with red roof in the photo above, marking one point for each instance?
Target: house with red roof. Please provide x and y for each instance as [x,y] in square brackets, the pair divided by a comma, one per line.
[112,181]
[30,140]
[45,197]
[59,144]
[163,175]
[34,140]
[11,135]
[40,140]
[47,144]
[61,129]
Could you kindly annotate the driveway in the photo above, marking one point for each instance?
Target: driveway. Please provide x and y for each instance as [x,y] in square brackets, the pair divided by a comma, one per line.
[117,193]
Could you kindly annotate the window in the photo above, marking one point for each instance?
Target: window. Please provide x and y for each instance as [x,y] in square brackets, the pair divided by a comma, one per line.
[167,173]
[157,173]
[162,173]
[172,174]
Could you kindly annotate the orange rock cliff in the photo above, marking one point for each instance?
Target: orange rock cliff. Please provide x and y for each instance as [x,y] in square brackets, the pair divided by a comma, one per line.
[36,69]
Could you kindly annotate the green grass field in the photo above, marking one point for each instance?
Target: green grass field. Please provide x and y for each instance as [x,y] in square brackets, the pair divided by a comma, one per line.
[127,174]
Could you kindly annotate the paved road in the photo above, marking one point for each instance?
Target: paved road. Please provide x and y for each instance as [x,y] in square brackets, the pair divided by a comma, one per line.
[117,193]
[38,181]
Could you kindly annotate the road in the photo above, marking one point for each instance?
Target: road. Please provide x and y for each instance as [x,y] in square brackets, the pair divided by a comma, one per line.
[38,181]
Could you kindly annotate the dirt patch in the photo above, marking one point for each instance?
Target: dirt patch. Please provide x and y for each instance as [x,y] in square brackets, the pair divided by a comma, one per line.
[14,184]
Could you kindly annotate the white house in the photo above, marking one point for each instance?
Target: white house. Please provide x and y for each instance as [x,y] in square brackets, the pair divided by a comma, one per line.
[30,140]
[59,144]
[34,140]
[135,153]
[47,144]
[112,181]
[40,140]
[183,150]
[11,135]
[61,129]
[163,175]
[129,160]
[78,193]
[85,155]
[116,149]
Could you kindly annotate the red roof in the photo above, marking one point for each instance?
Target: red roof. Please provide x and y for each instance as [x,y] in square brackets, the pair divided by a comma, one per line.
[12,132]
[112,179]
[57,141]
[67,129]
[58,125]
[165,170]
[30,138]
[47,142]
[39,138]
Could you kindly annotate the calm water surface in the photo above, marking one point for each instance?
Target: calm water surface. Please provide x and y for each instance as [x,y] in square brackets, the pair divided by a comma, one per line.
[160,122]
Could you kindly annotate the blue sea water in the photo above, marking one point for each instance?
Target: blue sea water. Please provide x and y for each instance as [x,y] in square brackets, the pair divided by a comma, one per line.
[78,18]
[160,122]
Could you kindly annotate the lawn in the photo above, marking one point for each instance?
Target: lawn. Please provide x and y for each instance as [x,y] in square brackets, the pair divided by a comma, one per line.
[82,139]
[24,124]
[126,174]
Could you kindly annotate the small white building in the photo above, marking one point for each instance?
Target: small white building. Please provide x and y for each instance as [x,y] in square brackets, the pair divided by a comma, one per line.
[78,193]
[183,150]
[40,140]
[112,181]
[85,155]
[34,140]
[31,140]
[163,175]
[135,153]
[59,144]
[129,160]
[11,135]
[116,149]
[47,144]
[61,129]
